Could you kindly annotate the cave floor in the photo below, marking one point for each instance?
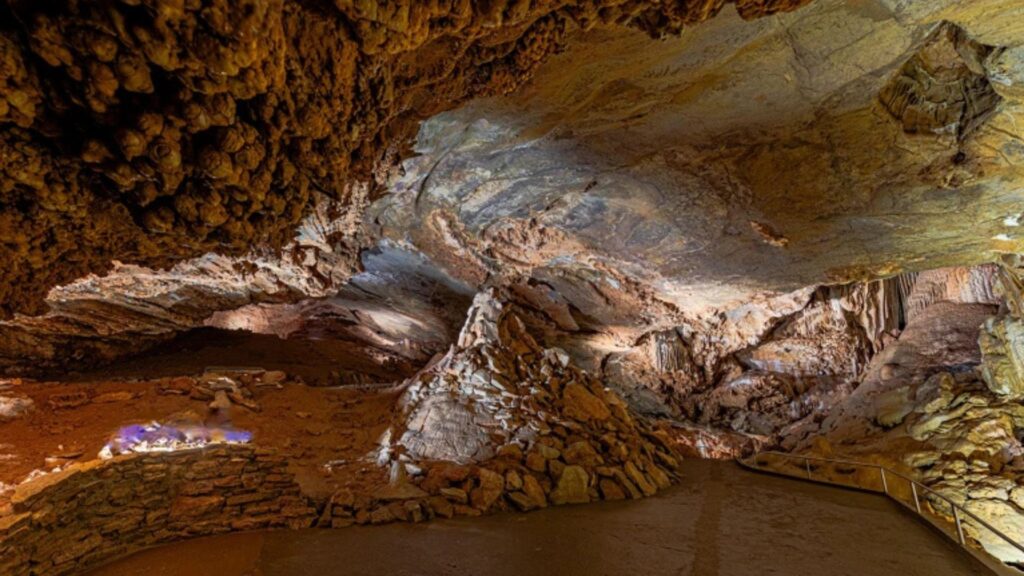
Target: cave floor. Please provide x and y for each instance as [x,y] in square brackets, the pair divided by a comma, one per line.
[326,433]
[720,521]
[191,352]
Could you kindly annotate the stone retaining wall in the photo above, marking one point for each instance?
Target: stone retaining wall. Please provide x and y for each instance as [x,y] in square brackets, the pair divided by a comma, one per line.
[71,520]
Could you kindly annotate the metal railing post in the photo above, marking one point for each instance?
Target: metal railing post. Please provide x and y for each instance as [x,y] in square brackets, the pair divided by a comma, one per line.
[959,525]
[885,485]
[917,503]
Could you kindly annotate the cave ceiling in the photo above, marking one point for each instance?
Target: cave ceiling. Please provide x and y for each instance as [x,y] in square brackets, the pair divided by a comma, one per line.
[152,132]
[611,169]
[841,142]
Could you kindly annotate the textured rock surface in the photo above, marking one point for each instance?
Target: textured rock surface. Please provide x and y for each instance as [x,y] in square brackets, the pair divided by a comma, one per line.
[523,421]
[97,319]
[938,406]
[649,183]
[399,303]
[771,231]
[69,521]
[156,131]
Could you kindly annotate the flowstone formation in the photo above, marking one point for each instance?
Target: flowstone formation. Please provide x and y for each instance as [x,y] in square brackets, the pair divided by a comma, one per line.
[940,402]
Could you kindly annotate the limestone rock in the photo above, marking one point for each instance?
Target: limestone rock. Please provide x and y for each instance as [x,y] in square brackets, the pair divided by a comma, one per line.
[582,453]
[521,501]
[573,487]
[580,404]
[534,491]
[1002,345]
[893,406]
[455,495]
[490,489]
[513,480]
[12,407]
[610,490]
[638,478]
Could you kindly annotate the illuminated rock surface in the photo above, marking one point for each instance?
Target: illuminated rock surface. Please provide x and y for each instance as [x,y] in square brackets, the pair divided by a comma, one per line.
[453,258]
[149,133]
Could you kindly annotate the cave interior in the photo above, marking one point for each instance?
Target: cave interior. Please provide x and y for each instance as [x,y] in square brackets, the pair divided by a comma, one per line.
[309,264]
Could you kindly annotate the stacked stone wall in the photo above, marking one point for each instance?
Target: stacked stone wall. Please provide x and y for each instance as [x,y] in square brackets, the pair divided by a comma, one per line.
[68,521]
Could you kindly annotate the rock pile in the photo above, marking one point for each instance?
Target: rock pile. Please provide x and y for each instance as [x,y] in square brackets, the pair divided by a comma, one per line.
[501,423]
[969,452]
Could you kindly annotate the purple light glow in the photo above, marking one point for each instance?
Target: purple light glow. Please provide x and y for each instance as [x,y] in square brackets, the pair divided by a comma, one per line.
[154,437]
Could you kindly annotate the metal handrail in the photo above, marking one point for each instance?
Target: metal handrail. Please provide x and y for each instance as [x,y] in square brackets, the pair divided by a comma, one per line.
[915,486]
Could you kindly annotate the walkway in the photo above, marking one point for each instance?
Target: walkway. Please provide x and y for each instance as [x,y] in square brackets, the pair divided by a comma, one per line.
[721,521]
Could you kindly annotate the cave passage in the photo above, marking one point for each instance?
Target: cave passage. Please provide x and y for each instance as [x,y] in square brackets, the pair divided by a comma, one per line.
[719,521]
[510,286]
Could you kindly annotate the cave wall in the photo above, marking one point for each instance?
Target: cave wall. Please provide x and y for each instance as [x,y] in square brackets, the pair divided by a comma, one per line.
[629,186]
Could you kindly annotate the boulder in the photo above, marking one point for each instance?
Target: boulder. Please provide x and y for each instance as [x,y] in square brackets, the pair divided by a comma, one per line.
[455,495]
[610,490]
[583,454]
[572,487]
[521,501]
[513,481]
[489,490]
[638,478]
[533,489]
[581,405]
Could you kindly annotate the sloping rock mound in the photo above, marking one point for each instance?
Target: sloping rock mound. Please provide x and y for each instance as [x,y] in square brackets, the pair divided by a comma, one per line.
[500,422]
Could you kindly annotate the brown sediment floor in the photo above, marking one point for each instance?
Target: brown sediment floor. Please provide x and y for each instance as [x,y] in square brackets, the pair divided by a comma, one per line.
[720,521]
[325,432]
[313,360]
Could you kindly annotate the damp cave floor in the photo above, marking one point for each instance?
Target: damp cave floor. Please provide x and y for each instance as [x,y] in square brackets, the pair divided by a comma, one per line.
[721,520]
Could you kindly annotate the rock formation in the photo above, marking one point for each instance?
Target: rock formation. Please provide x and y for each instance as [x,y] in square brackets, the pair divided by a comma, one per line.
[500,422]
[157,131]
[599,236]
